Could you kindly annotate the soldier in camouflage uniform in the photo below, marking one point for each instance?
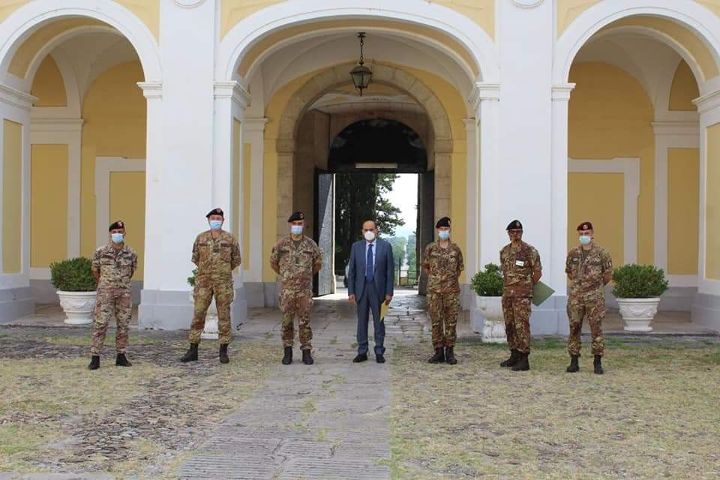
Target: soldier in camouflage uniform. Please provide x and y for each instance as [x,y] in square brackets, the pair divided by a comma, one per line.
[216,254]
[521,268]
[589,269]
[113,266]
[443,263]
[296,258]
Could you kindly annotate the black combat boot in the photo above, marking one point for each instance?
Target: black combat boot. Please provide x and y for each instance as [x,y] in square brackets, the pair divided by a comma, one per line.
[450,356]
[122,361]
[597,363]
[439,356]
[94,362]
[191,355]
[287,358]
[573,367]
[307,357]
[223,353]
[522,363]
[512,360]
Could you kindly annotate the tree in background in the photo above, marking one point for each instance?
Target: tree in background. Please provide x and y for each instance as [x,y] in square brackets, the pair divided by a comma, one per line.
[359,197]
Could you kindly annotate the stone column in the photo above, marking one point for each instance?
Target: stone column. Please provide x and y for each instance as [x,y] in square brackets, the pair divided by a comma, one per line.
[706,307]
[16,299]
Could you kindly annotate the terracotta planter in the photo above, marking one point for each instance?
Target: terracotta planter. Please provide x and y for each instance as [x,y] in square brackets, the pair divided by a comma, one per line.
[78,306]
[494,327]
[637,313]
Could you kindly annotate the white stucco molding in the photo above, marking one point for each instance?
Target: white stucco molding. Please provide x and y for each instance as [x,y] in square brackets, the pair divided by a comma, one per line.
[630,168]
[13,97]
[483,91]
[233,90]
[48,129]
[238,41]
[104,166]
[15,28]
[691,14]
[561,92]
[669,134]
[151,90]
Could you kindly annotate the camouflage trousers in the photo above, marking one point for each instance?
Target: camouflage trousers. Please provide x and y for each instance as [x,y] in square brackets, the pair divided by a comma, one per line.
[516,311]
[111,302]
[296,303]
[593,310]
[202,297]
[444,309]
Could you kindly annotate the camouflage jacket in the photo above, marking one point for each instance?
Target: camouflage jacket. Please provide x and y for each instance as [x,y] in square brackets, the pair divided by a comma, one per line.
[296,262]
[443,266]
[587,273]
[115,266]
[216,257]
[518,266]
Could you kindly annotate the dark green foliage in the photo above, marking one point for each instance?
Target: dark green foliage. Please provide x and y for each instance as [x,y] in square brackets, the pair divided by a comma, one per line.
[639,281]
[488,282]
[191,280]
[360,197]
[73,275]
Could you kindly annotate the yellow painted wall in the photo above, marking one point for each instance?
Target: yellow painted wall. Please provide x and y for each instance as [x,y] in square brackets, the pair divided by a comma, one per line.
[247,188]
[712,205]
[127,203]
[606,216]
[481,11]
[147,11]
[12,197]
[114,111]
[235,174]
[48,204]
[683,210]
[684,89]
[610,116]
[569,10]
[48,85]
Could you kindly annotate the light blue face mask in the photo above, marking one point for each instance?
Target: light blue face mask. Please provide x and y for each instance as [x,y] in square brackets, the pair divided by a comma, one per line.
[117,237]
[444,234]
[296,229]
[585,239]
[215,224]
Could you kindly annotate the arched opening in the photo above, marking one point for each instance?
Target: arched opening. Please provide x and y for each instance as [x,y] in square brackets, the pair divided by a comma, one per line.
[635,140]
[81,136]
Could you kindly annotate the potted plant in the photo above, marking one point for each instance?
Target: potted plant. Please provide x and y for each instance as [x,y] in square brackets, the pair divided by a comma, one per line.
[637,290]
[76,287]
[488,286]
[211,319]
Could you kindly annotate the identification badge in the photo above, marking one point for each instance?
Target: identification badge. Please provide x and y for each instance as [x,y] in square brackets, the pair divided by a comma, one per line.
[519,263]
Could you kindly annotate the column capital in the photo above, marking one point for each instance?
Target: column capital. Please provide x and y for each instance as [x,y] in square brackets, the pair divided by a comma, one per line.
[561,91]
[708,102]
[252,125]
[483,91]
[16,98]
[233,90]
[151,89]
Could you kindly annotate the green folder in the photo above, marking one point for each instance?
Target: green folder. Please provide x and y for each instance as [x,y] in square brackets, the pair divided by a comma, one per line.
[541,292]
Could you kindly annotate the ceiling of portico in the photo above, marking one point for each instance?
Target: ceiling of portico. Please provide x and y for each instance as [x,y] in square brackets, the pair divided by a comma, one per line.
[650,61]
[317,53]
[345,99]
[88,55]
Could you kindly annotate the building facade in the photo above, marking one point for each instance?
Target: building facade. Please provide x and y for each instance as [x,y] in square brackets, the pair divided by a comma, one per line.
[549,111]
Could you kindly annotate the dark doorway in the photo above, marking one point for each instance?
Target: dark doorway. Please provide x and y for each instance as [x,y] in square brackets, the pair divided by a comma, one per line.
[363,160]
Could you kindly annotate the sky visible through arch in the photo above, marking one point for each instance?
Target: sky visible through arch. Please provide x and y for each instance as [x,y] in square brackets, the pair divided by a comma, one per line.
[404,196]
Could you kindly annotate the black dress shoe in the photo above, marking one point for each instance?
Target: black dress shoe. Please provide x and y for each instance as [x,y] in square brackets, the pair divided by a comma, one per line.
[361,357]
[380,358]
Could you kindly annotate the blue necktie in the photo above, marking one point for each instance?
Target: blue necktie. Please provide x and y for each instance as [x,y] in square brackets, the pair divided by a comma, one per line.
[369,267]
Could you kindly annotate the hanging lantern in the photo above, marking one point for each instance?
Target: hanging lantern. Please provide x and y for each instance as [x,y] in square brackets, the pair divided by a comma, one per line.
[361,74]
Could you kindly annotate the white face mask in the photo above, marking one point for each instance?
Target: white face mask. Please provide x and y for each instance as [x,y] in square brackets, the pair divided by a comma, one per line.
[296,229]
[585,239]
[369,236]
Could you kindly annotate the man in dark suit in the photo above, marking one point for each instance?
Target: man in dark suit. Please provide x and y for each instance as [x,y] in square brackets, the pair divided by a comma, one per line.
[371,274]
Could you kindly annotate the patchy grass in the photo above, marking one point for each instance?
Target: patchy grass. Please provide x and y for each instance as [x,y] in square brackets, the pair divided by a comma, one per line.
[654,414]
[56,416]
